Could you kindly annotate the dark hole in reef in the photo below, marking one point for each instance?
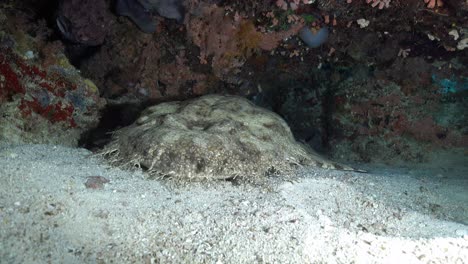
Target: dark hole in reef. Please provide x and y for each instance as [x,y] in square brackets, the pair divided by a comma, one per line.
[45,9]
[113,117]
[77,53]
[162,87]
[235,181]
[441,135]
[143,167]
[201,164]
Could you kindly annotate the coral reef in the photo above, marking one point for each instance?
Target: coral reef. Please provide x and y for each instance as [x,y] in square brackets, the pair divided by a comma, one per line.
[84,21]
[252,48]
[226,38]
[146,66]
[293,4]
[229,40]
[43,99]
[393,121]
[144,69]
[386,3]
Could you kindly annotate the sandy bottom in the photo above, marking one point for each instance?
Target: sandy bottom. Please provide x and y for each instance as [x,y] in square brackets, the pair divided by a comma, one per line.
[48,215]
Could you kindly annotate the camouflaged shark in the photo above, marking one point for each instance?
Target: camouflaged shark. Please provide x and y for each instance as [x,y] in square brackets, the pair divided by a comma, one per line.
[140,11]
[215,137]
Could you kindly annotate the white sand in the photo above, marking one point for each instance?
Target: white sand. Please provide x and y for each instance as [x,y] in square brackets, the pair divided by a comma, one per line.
[48,215]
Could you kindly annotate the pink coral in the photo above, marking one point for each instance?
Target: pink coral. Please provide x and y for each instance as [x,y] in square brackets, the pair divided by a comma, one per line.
[386,3]
[230,41]
[434,3]
[293,4]
[380,3]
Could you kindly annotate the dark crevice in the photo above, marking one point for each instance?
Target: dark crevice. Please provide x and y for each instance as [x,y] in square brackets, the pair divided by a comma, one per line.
[113,117]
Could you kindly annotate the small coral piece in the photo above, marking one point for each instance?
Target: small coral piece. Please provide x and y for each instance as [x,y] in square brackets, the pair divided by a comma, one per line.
[379,3]
[293,4]
[96,182]
[434,3]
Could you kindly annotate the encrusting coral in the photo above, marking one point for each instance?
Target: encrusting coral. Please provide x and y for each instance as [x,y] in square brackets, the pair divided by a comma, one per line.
[386,3]
[229,40]
[43,98]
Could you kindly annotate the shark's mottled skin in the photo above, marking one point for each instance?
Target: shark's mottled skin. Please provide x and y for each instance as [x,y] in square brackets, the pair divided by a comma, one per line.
[139,11]
[212,137]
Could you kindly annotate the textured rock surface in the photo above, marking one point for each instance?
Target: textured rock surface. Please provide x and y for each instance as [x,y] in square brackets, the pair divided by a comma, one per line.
[43,99]
[212,137]
[84,21]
